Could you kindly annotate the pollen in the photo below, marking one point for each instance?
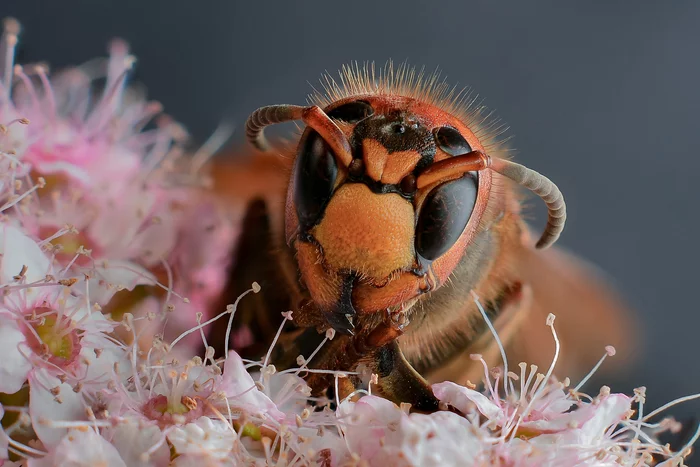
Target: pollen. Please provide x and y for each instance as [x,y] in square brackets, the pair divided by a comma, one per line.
[71,246]
[57,340]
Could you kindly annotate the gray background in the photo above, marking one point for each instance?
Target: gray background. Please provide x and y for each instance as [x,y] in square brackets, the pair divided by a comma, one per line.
[600,95]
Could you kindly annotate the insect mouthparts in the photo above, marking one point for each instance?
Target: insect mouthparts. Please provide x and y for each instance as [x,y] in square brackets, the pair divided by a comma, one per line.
[342,323]
[341,318]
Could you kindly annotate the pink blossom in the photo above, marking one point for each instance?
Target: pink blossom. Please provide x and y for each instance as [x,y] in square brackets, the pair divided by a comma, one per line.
[102,169]
[41,323]
[85,139]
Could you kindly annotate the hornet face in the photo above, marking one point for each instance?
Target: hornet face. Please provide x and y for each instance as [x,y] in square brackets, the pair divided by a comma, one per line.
[379,225]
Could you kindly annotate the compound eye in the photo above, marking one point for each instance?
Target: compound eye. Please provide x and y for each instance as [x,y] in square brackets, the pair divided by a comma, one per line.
[352,112]
[314,179]
[451,141]
[444,215]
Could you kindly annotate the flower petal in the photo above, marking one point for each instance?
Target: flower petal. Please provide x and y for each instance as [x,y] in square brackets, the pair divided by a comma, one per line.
[15,367]
[241,390]
[86,448]
[107,280]
[18,251]
[205,436]
[464,399]
[133,441]
[367,422]
[47,412]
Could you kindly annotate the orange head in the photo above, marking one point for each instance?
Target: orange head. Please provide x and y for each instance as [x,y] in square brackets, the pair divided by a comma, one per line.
[386,195]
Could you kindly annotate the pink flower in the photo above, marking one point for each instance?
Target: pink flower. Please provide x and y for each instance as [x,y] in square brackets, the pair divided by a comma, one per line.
[41,324]
[86,139]
[101,169]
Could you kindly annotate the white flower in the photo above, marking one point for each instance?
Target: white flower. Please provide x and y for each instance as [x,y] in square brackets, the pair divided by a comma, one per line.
[15,367]
[590,444]
[21,258]
[139,445]
[51,403]
[81,448]
[205,437]
[241,390]
[443,438]
[367,423]
[382,434]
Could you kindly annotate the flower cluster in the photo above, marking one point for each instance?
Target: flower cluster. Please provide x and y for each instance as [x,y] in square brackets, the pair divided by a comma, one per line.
[536,421]
[111,252]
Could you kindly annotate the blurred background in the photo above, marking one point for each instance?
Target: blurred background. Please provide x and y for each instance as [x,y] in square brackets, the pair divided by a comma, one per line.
[601,97]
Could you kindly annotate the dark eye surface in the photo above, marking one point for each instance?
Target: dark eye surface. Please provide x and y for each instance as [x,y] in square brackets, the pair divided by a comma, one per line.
[352,112]
[444,215]
[451,141]
[315,175]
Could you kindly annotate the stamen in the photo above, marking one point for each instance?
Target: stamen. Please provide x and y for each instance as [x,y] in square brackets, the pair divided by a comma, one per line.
[14,200]
[48,91]
[272,346]
[540,381]
[255,288]
[313,354]
[169,291]
[609,352]
[557,347]
[31,91]
[533,372]
[104,109]
[683,452]
[206,323]
[487,379]
[66,229]
[24,447]
[495,336]
[664,407]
